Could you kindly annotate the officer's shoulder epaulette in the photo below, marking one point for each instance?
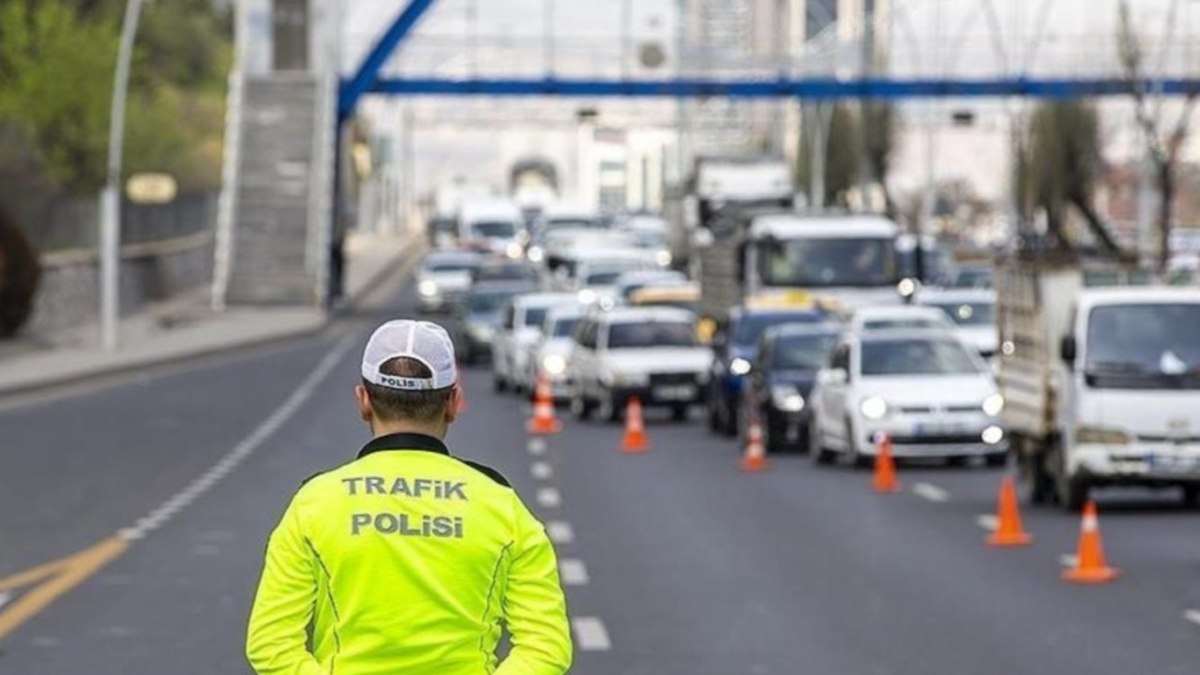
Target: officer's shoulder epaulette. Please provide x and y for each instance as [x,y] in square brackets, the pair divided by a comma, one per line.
[488,471]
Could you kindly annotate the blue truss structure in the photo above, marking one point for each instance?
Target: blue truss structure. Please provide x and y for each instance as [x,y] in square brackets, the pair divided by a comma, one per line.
[367,80]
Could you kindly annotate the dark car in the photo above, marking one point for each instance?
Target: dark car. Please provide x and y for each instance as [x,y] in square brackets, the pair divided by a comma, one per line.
[781,379]
[735,346]
[973,276]
[478,317]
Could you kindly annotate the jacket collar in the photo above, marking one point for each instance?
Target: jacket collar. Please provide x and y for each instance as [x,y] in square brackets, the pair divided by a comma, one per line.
[419,442]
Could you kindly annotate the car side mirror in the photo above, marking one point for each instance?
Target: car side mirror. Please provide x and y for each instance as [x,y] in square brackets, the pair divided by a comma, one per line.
[1067,350]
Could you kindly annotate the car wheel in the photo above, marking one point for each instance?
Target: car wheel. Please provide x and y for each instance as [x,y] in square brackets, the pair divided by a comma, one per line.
[732,423]
[1070,491]
[857,459]
[1191,496]
[499,383]
[714,417]
[679,413]
[770,442]
[606,409]
[580,407]
[816,449]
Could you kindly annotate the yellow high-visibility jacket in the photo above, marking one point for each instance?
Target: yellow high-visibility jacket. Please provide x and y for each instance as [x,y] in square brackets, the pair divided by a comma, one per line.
[407,560]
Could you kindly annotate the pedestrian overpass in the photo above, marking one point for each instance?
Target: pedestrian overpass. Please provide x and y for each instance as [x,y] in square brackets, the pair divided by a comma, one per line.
[280,203]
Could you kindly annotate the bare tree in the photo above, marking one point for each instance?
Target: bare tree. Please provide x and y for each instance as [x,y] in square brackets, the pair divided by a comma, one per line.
[1163,142]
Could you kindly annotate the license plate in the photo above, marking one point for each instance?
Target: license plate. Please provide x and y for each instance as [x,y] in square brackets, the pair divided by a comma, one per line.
[681,392]
[938,430]
[1173,464]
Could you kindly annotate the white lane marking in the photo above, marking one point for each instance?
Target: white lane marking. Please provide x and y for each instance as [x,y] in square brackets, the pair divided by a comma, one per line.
[560,532]
[573,572]
[549,497]
[931,492]
[541,471]
[536,446]
[988,522]
[1068,559]
[590,634]
[5,597]
[1192,615]
[194,490]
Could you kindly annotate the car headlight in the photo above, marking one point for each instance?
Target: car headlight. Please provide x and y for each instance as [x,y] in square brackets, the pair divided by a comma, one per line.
[739,366]
[535,254]
[992,435]
[1101,436]
[427,288]
[663,258]
[483,331]
[787,398]
[554,364]
[513,250]
[587,296]
[873,408]
[993,405]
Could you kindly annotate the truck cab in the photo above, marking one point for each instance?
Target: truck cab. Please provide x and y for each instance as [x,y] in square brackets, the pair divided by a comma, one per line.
[1102,385]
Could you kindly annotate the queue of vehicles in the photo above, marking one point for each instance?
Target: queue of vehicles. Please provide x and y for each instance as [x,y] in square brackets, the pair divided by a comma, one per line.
[806,324]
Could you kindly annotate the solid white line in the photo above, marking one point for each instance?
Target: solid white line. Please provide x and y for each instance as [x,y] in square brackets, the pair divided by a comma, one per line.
[560,532]
[1068,559]
[590,634]
[573,572]
[5,597]
[1192,615]
[184,498]
[549,497]
[541,471]
[536,446]
[987,521]
[931,492]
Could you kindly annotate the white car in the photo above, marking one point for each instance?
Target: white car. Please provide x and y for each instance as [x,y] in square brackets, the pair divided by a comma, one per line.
[650,353]
[630,282]
[973,312]
[444,278]
[650,233]
[550,356]
[926,390]
[520,328]
[901,316]
[492,225]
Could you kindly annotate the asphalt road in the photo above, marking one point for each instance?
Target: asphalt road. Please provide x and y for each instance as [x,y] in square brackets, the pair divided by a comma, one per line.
[677,562]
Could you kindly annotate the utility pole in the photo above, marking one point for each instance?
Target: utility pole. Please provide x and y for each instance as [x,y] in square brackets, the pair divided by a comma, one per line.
[110,198]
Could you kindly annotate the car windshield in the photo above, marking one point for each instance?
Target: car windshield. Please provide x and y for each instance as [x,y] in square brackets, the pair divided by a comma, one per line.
[450,266]
[446,225]
[651,334]
[489,301]
[1144,346]
[750,327]
[495,229]
[828,262]
[968,313]
[535,316]
[602,278]
[936,262]
[973,278]
[802,352]
[916,356]
[648,238]
[505,272]
[564,327]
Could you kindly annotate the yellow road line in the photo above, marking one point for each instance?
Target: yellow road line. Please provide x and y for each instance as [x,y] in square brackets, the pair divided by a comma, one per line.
[54,579]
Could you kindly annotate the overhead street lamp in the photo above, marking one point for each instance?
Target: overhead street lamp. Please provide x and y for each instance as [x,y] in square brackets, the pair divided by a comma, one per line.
[110,198]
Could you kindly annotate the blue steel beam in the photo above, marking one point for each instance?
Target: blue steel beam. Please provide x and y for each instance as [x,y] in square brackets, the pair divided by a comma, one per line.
[808,88]
[367,76]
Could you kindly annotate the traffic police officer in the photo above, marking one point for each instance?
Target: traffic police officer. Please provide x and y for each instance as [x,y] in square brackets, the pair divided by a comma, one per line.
[407,559]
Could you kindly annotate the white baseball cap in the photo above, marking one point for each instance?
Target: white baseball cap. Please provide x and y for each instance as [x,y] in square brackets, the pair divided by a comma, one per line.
[421,341]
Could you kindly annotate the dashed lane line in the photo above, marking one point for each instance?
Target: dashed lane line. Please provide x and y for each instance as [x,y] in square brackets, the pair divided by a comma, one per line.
[4,598]
[177,503]
[987,521]
[590,634]
[931,492]
[573,572]
[1193,616]
[560,532]
[541,471]
[1068,559]
[536,446]
[549,498]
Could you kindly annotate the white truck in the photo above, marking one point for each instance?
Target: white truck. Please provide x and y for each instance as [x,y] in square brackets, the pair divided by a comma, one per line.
[1101,380]
[717,188]
[844,262]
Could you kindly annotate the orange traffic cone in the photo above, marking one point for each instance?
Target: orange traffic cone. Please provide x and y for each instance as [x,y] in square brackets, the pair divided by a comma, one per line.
[1090,566]
[635,440]
[543,421]
[1009,530]
[884,481]
[755,457]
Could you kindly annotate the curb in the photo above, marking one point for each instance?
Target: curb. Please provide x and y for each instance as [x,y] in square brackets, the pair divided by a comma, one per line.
[401,263]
